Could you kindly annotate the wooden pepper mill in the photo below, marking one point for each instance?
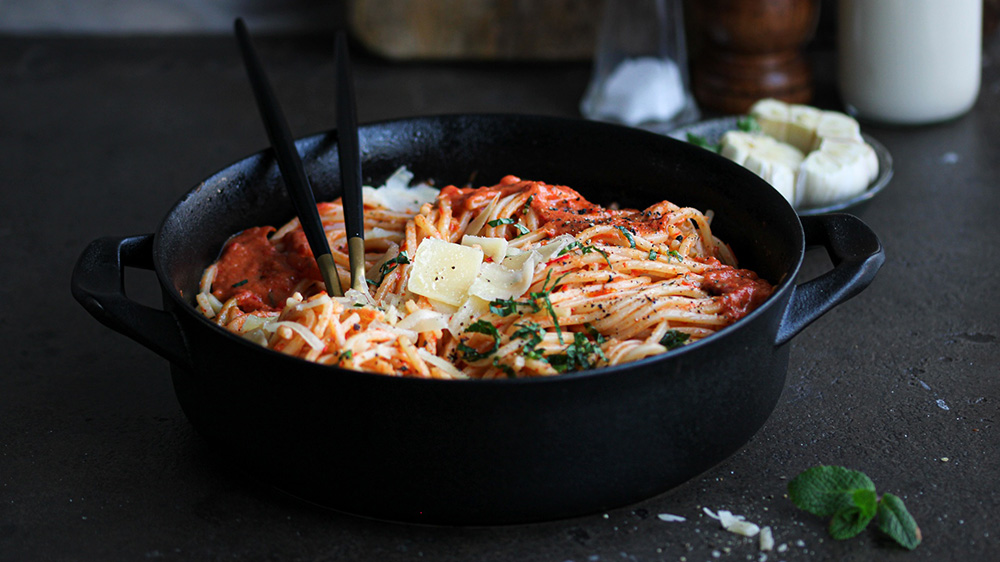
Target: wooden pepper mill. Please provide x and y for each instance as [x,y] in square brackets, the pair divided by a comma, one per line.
[745,50]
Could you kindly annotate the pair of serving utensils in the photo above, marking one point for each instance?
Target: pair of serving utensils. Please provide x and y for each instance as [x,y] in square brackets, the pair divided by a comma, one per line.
[293,174]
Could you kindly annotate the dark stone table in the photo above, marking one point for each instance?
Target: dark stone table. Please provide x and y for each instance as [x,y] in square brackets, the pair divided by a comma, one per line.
[97,462]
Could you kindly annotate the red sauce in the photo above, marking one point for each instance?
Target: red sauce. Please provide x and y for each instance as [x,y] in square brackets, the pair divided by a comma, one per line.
[741,289]
[261,273]
[559,208]
[261,277]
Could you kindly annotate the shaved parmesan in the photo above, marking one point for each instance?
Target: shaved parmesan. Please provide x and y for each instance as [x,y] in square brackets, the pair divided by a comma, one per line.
[309,337]
[506,280]
[444,271]
[552,248]
[495,248]
[766,539]
[423,320]
[466,314]
[733,523]
[441,363]
[397,195]
[477,223]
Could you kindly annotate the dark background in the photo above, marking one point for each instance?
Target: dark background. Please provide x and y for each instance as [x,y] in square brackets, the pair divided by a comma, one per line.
[101,135]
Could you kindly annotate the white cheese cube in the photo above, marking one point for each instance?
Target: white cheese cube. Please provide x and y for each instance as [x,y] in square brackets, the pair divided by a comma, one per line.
[444,271]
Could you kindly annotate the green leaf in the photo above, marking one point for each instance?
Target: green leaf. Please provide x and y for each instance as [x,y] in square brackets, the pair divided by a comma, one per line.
[895,521]
[673,339]
[748,124]
[471,354]
[701,141]
[849,521]
[825,490]
[628,235]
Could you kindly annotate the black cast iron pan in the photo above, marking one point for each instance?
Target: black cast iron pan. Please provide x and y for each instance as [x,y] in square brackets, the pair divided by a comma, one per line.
[482,452]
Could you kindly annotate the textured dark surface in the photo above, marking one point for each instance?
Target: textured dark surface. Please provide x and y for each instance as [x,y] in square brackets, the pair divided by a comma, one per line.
[97,462]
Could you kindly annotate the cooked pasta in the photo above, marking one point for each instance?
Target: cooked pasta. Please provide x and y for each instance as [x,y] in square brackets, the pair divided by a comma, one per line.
[519,279]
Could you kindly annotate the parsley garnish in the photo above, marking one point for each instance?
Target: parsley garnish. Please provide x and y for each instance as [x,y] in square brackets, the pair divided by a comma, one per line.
[676,255]
[748,124]
[576,356]
[574,245]
[527,205]
[848,497]
[390,265]
[240,283]
[506,307]
[532,334]
[674,339]
[701,141]
[520,227]
[627,234]
[507,369]
[544,296]
[480,326]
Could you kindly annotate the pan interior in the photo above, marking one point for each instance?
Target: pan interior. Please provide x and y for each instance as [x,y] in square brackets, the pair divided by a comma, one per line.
[606,163]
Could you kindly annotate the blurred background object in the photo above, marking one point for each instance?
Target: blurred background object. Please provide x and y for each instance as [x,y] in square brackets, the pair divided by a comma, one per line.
[131,17]
[477,29]
[909,62]
[640,73]
[752,49]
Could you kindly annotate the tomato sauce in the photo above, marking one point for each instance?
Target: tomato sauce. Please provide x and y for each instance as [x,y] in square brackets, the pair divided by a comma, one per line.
[741,289]
[559,208]
[261,277]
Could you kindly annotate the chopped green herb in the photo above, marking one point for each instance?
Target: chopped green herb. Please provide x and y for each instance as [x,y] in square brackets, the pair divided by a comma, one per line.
[532,333]
[390,265]
[346,355]
[576,245]
[511,221]
[848,497]
[507,369]
[506,307]
[527,205]
[240,283]
[577,355]
[674,339]
[676,255]
[748,124]
[652,254]
[480,326]
[627,234]
[701,141]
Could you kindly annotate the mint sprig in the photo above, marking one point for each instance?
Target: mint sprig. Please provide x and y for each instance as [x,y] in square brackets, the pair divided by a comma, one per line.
[848,498]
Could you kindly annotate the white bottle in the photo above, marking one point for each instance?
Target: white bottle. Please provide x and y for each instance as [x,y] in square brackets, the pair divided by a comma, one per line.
[909,61]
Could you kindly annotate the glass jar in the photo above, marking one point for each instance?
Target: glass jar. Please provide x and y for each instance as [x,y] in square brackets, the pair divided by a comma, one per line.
[909,62]
[640,73]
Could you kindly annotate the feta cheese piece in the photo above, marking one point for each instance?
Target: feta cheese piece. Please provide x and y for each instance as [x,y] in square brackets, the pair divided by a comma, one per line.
[444,271]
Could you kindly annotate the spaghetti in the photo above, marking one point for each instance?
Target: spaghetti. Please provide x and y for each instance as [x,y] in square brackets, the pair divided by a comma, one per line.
[519,279]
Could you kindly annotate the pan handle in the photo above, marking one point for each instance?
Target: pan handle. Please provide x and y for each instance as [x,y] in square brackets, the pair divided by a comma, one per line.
[98,284]
[856,254]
